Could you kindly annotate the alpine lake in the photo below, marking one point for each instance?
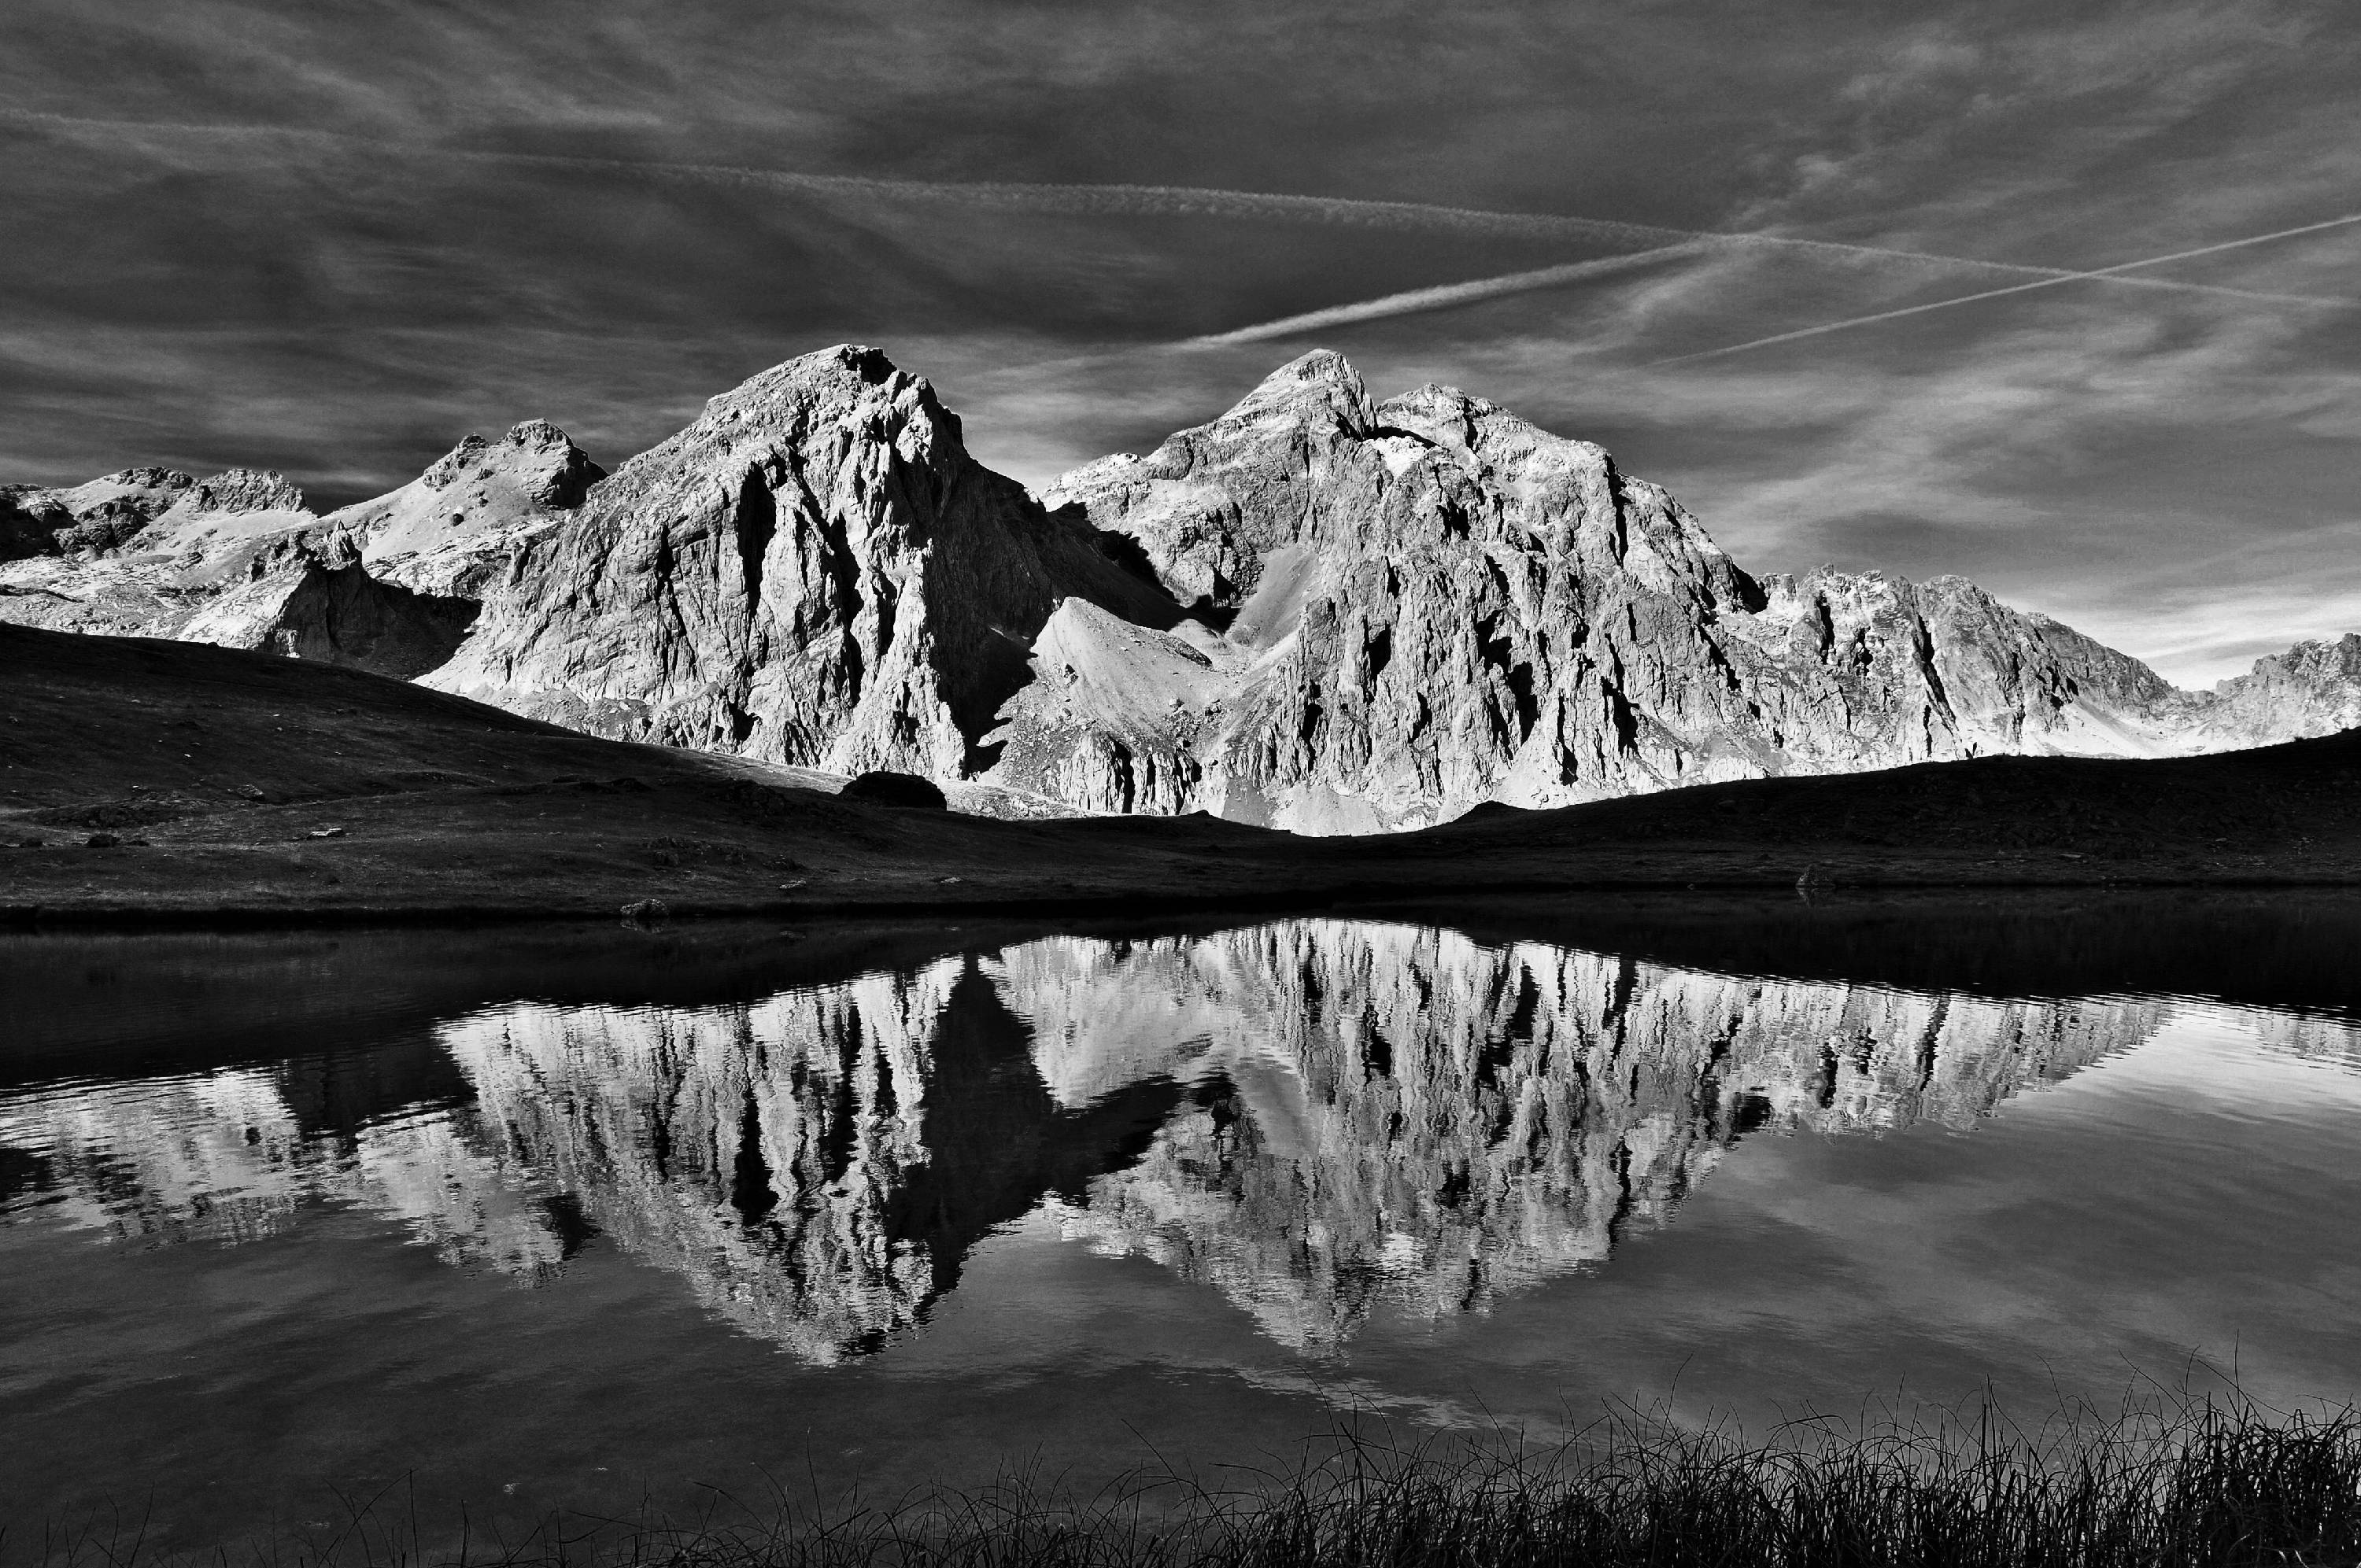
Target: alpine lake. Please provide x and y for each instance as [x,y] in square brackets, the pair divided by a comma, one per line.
[528,1222]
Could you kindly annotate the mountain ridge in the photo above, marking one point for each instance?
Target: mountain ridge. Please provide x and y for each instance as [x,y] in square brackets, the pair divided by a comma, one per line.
[1319,610]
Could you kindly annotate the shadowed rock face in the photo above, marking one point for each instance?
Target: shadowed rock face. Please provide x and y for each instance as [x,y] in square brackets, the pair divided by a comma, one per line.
[1321,1119]
[813,573]
[336,614]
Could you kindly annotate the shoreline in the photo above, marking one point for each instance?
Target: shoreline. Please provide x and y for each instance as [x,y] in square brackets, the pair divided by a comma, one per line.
[1342,898]
[1435,897]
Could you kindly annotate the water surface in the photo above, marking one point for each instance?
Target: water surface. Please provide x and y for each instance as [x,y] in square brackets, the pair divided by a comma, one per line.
[558,1219]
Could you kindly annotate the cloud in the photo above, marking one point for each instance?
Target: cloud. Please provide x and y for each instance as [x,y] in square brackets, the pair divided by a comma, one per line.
[1166,200]
[375,228]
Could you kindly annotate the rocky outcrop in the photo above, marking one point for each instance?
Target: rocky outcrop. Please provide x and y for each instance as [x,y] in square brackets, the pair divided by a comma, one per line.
[144,552]
[814,573]
[2313,689]
[336,615]
[240,560]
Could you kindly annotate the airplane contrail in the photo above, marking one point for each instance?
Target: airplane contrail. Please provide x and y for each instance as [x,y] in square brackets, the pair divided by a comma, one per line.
[1443,296]
[2092,275]
[1138,201]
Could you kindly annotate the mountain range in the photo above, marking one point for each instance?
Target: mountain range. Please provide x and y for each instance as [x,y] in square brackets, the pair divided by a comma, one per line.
[1319,612]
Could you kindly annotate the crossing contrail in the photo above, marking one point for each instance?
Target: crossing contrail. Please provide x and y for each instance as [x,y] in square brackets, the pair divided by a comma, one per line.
[2096,273]
[1141,200]
[1443,296]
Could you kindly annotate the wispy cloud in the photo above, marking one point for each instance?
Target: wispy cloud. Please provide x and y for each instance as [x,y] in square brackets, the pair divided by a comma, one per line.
[336,239]
[1075,199]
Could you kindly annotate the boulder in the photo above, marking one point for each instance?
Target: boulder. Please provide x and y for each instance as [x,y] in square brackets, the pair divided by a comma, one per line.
[882,788]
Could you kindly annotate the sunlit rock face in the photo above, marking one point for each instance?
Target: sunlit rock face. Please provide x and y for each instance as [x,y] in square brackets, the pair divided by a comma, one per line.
[241,561]
[813,573]
[1427,602]
[1323,1120]
[145,552]
[452,531]
[2313,689]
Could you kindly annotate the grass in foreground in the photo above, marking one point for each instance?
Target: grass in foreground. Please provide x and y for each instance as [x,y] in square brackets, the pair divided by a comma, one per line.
[2209,1483]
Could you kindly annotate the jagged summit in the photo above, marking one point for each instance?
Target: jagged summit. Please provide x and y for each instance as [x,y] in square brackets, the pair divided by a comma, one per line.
[2313,689]
[1412,606]
[249,489]
[562,471]
[814,387]
[812,572]
[1322,378]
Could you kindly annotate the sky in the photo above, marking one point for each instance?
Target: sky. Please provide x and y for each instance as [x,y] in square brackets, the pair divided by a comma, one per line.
[333,236]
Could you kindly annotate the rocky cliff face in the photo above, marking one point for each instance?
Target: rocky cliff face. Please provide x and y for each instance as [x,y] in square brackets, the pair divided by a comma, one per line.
[241,560]
[2313,689]
[1406,607]
[814,573]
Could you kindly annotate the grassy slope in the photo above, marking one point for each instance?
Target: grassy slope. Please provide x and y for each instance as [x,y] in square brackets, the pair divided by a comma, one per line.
[448,806]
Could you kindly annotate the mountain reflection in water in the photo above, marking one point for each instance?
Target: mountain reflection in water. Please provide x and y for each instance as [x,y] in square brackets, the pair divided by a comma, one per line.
[1319,1117]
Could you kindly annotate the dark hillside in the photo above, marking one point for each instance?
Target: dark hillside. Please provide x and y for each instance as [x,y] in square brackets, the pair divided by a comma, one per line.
[150,780]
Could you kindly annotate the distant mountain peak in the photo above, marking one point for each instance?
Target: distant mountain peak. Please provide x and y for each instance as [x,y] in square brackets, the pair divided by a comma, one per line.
[246,489]
[814,572]
[1320,385]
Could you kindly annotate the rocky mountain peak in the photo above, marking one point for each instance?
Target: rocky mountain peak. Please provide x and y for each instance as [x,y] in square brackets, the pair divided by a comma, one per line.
[1320,386]
[1313,610]
[453,529]
[1417,605]
[246,489]
[852,388]
[2313,689]
[1443,415]
[538,460]
[149,478]
[454,465]
[812,572]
